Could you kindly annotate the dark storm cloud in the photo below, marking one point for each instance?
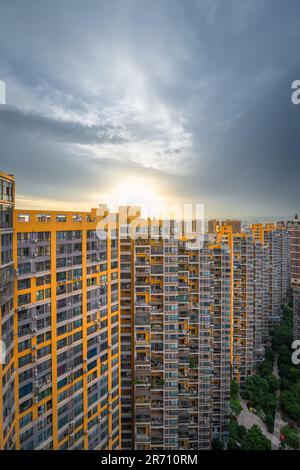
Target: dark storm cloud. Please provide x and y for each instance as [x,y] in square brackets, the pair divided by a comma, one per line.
[195,95]
[20,122]
[24,122]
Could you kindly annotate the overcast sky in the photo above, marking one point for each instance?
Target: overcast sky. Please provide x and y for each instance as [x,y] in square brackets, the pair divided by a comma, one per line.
[192,96]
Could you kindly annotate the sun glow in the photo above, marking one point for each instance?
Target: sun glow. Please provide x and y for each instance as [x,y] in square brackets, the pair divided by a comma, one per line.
[140,192]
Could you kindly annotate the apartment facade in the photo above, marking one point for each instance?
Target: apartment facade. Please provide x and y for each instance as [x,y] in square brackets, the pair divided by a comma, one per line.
[8,391]
[67,332]
[277,261]
[242,301]
[156,343]
[127,217]
[213,225]
[294,231]
[181,341]
[235,224]
[260,300]
[220,278]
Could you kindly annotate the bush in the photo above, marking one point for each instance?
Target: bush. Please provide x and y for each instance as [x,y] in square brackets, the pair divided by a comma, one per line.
[232,445]
[234,389]
[270,423]
[235,405]
[290,405]
[217,444]
[255,440]
[291,437]
[260,391]
[236,432]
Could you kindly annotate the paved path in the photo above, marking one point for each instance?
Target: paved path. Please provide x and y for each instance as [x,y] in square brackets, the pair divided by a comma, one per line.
[248,419]
[277,422]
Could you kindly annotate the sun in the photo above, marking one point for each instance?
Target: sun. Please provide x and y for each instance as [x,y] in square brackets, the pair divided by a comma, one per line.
[137,191]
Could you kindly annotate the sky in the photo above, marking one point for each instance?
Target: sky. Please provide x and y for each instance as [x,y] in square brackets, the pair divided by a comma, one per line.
[167,101]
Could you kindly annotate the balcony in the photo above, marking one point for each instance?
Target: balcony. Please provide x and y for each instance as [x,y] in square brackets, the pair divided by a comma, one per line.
[142,438]
[157,382]
[157,365]
[157,421]
[142,418]
[157,404]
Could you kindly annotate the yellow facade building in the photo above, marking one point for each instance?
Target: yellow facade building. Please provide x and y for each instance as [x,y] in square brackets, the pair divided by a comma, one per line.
[66,361]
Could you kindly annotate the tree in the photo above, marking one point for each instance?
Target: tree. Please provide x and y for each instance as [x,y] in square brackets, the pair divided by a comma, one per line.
[290,405]
[291,437]
[232,445]
[270,423]
[217,444]
[255,440]
[236,432]
[234,389]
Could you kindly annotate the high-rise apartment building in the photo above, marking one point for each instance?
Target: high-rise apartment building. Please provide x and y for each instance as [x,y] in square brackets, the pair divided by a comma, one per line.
[285,262]
[155,339]
[233,223]
[66,361]
[276,271]
[194,347]
[181,339]
[127,217]
[212,225]
[242,301]
[220,279]
[260,299]
[294,231]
